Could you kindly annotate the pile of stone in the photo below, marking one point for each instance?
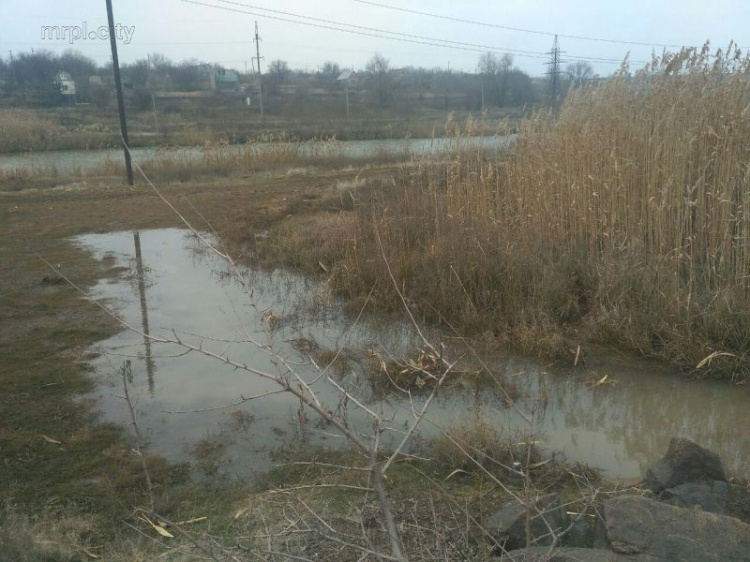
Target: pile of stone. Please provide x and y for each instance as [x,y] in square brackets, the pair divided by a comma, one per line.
[685,519]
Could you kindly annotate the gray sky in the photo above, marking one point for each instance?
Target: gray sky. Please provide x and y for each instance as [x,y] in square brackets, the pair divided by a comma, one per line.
[181,30]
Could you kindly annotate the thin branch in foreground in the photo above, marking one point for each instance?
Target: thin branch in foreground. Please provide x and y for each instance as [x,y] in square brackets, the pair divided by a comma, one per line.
[181,532]
[125,374]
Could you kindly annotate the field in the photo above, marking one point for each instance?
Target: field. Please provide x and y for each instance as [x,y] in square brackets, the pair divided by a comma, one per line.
[623,220]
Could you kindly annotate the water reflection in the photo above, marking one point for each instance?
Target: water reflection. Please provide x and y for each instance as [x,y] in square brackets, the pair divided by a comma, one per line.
[622,428]
[141,279]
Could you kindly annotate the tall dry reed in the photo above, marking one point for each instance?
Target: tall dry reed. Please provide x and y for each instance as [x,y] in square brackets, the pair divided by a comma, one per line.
[626,216]
[22,130]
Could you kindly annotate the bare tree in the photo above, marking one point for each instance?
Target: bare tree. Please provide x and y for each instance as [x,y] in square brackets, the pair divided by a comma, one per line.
[498,70]
[378,67]
[328,74]
[137,73]
[36,69]
[160,62]
[279,69]
[188,76]
[487,64]
[330,70]
[580,72]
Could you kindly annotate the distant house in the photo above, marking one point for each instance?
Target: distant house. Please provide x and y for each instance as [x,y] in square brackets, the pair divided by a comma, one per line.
[348,77]
[226,80]
[65,86]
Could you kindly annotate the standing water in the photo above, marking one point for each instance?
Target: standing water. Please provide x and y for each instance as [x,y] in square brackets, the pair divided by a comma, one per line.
[174,286]
[66,161]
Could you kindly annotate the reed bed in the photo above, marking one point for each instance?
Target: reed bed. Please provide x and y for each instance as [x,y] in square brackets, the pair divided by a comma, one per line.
[222,158]
[23,130]
[209,160]
[625,218]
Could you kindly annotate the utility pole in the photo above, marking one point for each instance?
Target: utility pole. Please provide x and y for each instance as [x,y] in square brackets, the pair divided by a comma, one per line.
[118,86]
[150,87]
[554,72]
[346,92]
[260,76]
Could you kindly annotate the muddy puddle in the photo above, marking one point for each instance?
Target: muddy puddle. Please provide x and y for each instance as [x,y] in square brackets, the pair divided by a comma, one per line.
[194,408]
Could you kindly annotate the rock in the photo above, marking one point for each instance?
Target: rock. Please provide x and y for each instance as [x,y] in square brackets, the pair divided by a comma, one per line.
[508,523]
[52,280]
[541,554]
[684,462]
[585,532]
[641,526]
[740,503]
[709,496]
[580,534]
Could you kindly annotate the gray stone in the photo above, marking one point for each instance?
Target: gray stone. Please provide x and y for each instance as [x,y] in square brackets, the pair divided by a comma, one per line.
[542,554]
[709,496]
[580,534]
[641,526]
[684,462]
[585,532]
[508,524]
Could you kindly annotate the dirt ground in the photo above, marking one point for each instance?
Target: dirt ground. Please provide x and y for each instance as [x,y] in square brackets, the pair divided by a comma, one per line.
[56,458]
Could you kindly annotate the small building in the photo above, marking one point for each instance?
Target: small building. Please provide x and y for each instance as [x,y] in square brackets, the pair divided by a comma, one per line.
[66,86]
[347,76]
[226,80]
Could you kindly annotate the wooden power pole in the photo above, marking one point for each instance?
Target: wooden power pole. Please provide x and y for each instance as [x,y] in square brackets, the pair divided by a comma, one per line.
[118,86]
[260,76]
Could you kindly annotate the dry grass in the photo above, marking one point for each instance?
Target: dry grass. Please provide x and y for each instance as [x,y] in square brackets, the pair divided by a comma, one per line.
[221,158]
[626,216]
[24,130]
[60,538]
[475,441]
[212,159]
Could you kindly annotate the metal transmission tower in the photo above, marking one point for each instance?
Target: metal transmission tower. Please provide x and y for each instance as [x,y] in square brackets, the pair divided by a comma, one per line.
[554,72]
[260,76]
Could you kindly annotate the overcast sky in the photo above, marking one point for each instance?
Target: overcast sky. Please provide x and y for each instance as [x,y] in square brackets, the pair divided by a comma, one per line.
[181,30]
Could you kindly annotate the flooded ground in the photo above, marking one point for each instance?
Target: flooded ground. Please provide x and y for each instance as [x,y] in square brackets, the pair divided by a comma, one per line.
[192,406]
[66,161]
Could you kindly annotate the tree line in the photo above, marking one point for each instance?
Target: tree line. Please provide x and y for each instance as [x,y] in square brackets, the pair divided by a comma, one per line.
[28,79]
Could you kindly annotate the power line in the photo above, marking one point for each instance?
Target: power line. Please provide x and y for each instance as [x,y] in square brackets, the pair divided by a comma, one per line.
[392,35]
[519,52]
[351,31]
[519,29]
[376,30]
